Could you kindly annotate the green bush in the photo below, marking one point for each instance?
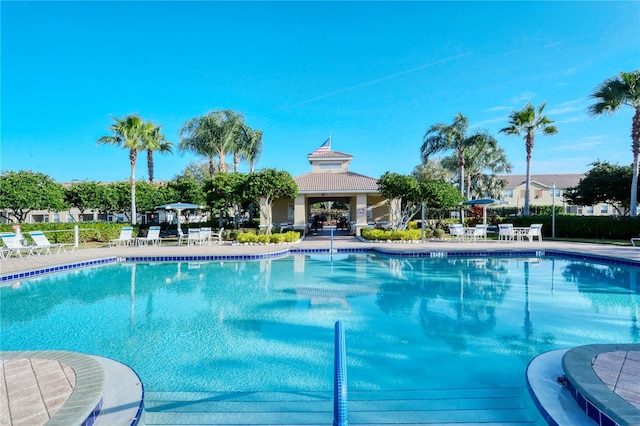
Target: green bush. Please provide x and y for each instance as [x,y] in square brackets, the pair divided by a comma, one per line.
[252,237]
[438,233]
[386,235]
[63,232]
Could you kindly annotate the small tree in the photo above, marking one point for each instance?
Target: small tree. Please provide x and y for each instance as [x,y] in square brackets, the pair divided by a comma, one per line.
[225,191]
[396,186]
[24,191]
[267,185]
[83,196]
[604,183]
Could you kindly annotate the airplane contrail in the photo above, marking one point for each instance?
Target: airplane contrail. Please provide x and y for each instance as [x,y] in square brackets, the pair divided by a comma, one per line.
[368,83]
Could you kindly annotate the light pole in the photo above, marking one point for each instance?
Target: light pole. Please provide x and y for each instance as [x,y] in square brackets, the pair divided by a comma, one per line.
[553,211]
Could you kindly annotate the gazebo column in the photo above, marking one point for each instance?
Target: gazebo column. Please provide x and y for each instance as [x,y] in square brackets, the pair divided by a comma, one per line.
[300,213]
[361,212]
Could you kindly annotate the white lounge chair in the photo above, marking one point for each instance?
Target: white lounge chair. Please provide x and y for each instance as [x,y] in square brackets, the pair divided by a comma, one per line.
[153,236]
[42,244]
[14,246]
[457,231]
[506,232]
[633,241]
[125,238]
[535,230]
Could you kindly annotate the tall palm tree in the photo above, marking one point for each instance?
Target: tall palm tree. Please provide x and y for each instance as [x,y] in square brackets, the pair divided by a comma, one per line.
[527,122]
[483,162]
[128,132]
[154,140]
[201,135]
[252,147]
[443,137]
[211,135]
[610,96]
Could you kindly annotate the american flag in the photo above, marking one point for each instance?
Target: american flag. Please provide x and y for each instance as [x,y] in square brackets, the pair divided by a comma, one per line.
[326,146]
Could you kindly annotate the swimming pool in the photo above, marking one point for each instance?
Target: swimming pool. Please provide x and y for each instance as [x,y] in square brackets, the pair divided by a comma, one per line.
[443,323]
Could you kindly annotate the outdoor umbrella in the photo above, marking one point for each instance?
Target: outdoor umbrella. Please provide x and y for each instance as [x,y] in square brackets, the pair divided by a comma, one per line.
[178,207]
[484,202]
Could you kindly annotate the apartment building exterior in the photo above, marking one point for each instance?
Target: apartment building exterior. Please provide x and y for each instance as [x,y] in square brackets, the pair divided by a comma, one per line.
[547,190]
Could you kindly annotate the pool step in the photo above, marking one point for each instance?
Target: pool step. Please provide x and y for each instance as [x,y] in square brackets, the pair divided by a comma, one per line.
[498,406]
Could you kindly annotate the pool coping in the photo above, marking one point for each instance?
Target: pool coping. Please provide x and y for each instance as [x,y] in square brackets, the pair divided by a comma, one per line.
[402,251]
[584,384]
[86,400]
[106,392]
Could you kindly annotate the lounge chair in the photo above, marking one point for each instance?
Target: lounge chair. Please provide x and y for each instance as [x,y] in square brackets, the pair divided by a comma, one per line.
[153,236]
[125,238]
[535,230]
[14,245]
[633,241]
[505,232]
[217,236]
[457,231]
[42,244]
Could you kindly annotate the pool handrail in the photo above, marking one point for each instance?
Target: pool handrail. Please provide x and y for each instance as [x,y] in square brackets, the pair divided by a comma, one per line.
[340,378]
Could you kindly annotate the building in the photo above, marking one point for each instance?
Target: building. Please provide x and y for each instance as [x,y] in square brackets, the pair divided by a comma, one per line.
[331,180]
[547,190]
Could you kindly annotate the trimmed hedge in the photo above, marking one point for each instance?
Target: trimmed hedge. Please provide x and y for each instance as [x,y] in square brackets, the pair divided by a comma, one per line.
[592,227]
[252,237]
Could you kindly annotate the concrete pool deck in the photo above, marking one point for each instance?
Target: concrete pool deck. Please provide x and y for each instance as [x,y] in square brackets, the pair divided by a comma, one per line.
[53,390]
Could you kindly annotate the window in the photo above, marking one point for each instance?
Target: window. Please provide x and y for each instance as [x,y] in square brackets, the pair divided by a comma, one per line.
[590,210]
[330,166]
[522,193]
[507,193]
[290,211]
[556,192]
[537,193]
[55,218]
[604,209]
[69,218]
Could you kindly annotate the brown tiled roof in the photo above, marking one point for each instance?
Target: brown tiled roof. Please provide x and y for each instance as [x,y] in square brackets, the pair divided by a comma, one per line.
[561,180]
[335,182]
[328,154]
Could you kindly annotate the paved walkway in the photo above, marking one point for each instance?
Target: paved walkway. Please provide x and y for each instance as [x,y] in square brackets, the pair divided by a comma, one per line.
[13,264]
[33,390]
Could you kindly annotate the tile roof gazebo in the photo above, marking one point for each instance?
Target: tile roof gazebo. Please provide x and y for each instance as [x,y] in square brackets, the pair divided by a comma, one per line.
[331,180]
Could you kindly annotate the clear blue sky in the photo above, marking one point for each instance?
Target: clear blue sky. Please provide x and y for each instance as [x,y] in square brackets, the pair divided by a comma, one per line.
[373,75]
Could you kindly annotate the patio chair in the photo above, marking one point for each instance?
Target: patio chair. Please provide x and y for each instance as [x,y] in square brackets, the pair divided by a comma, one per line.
[217,236]
[153,236]
[205,235]
[505,232]
[42,244]
[457,231]
[480,232]
[535,230]
[125,238]
[14,245]
[193,237]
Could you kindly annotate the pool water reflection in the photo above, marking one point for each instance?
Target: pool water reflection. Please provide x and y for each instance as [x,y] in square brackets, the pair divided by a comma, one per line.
[268,324]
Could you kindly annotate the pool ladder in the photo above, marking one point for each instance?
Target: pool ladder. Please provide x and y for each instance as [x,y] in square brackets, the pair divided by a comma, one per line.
[340,378]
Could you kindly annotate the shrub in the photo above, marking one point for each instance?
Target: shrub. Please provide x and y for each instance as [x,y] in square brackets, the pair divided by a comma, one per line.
[438,233]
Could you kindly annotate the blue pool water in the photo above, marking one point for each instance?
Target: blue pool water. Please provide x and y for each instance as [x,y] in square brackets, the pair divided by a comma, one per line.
[268,324]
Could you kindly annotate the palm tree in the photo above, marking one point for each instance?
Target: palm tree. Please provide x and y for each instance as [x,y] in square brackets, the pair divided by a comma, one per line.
[201,135]
[211,135]
[483,162]
[154,140]
[527,122]
[128,132]
[252,147]
[442,137]
[610,96]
